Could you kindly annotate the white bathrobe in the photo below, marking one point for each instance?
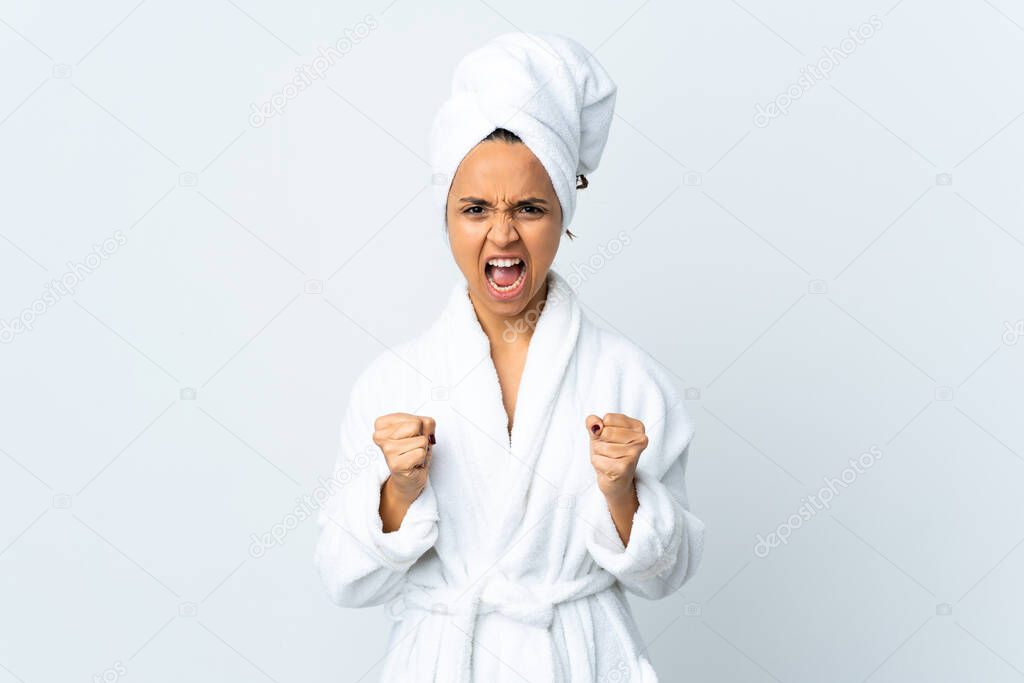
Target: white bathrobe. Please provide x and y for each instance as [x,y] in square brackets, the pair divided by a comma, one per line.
[508,565]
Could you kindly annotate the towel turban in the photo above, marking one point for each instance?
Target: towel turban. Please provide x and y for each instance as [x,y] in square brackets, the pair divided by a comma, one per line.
[547,89]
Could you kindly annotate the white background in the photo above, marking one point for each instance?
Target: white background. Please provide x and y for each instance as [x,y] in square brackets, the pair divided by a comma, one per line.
[848,276]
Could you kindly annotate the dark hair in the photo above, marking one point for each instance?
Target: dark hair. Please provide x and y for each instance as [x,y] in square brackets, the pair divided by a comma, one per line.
[505,135]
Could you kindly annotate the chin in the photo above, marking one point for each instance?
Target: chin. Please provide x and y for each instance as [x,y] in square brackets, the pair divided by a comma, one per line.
[506,308]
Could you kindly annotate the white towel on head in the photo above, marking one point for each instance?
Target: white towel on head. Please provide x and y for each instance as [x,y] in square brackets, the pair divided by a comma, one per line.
[547,89]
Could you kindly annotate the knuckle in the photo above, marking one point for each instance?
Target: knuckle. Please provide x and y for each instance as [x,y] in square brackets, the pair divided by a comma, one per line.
[386,420]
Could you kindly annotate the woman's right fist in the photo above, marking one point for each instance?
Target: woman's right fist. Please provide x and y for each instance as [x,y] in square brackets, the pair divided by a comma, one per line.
[406,440]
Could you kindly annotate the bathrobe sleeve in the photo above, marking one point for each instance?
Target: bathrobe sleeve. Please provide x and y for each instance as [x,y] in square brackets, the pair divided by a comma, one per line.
[666,542]
[359,564]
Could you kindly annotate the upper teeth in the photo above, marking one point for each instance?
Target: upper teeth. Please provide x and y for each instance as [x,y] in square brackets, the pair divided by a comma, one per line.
[504,262]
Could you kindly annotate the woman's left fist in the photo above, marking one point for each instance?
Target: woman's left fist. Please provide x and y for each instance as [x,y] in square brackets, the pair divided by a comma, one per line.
[616,442]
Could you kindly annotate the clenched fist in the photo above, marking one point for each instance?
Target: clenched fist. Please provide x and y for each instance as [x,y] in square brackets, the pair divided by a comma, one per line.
[616,442]
[405,440]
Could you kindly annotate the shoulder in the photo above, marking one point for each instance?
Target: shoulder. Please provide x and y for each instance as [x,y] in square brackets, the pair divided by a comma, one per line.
[616,355]
[626,376]
[401,369]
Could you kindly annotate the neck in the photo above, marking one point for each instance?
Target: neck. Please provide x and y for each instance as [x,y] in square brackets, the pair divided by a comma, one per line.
[503,331]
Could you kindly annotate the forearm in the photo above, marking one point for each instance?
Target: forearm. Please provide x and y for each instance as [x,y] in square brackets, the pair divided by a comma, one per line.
[361,564]
[393,506]
[665,542]
[623,508]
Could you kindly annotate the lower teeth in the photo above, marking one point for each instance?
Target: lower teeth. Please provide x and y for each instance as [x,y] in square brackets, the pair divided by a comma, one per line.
[507,288]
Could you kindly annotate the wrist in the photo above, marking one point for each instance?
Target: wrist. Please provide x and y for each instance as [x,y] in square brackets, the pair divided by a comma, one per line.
[623,496]
[396,494]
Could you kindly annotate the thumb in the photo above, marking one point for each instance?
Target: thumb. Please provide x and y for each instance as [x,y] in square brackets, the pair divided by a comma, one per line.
[594,427]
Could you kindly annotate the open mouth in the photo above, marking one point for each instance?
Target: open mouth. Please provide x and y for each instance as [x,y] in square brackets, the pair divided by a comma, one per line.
[505,276]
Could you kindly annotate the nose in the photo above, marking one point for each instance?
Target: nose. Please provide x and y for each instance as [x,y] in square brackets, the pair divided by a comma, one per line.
[503,231]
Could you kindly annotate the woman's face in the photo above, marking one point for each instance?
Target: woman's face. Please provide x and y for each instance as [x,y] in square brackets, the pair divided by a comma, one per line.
[502,206]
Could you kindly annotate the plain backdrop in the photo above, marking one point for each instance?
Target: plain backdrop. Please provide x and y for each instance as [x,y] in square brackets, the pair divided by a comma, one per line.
[841,274]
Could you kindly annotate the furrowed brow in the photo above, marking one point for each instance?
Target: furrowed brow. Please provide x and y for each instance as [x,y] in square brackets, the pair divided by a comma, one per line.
[521,202]
[531,200]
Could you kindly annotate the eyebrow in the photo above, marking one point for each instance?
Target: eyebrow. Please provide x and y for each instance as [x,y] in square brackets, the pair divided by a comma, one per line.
[521,202]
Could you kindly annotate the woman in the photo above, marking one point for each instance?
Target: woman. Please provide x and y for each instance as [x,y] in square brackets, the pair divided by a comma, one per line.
[561,447]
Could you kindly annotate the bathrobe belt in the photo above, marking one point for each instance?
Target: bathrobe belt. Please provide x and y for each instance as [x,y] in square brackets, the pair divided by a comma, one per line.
[527,603]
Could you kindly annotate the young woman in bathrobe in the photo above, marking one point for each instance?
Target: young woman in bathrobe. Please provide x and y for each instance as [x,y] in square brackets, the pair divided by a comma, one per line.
[509,473]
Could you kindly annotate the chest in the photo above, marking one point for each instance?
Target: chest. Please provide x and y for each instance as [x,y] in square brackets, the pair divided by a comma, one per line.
[509,364]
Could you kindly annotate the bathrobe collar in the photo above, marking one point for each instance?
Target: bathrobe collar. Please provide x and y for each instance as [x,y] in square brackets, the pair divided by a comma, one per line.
[555,335]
